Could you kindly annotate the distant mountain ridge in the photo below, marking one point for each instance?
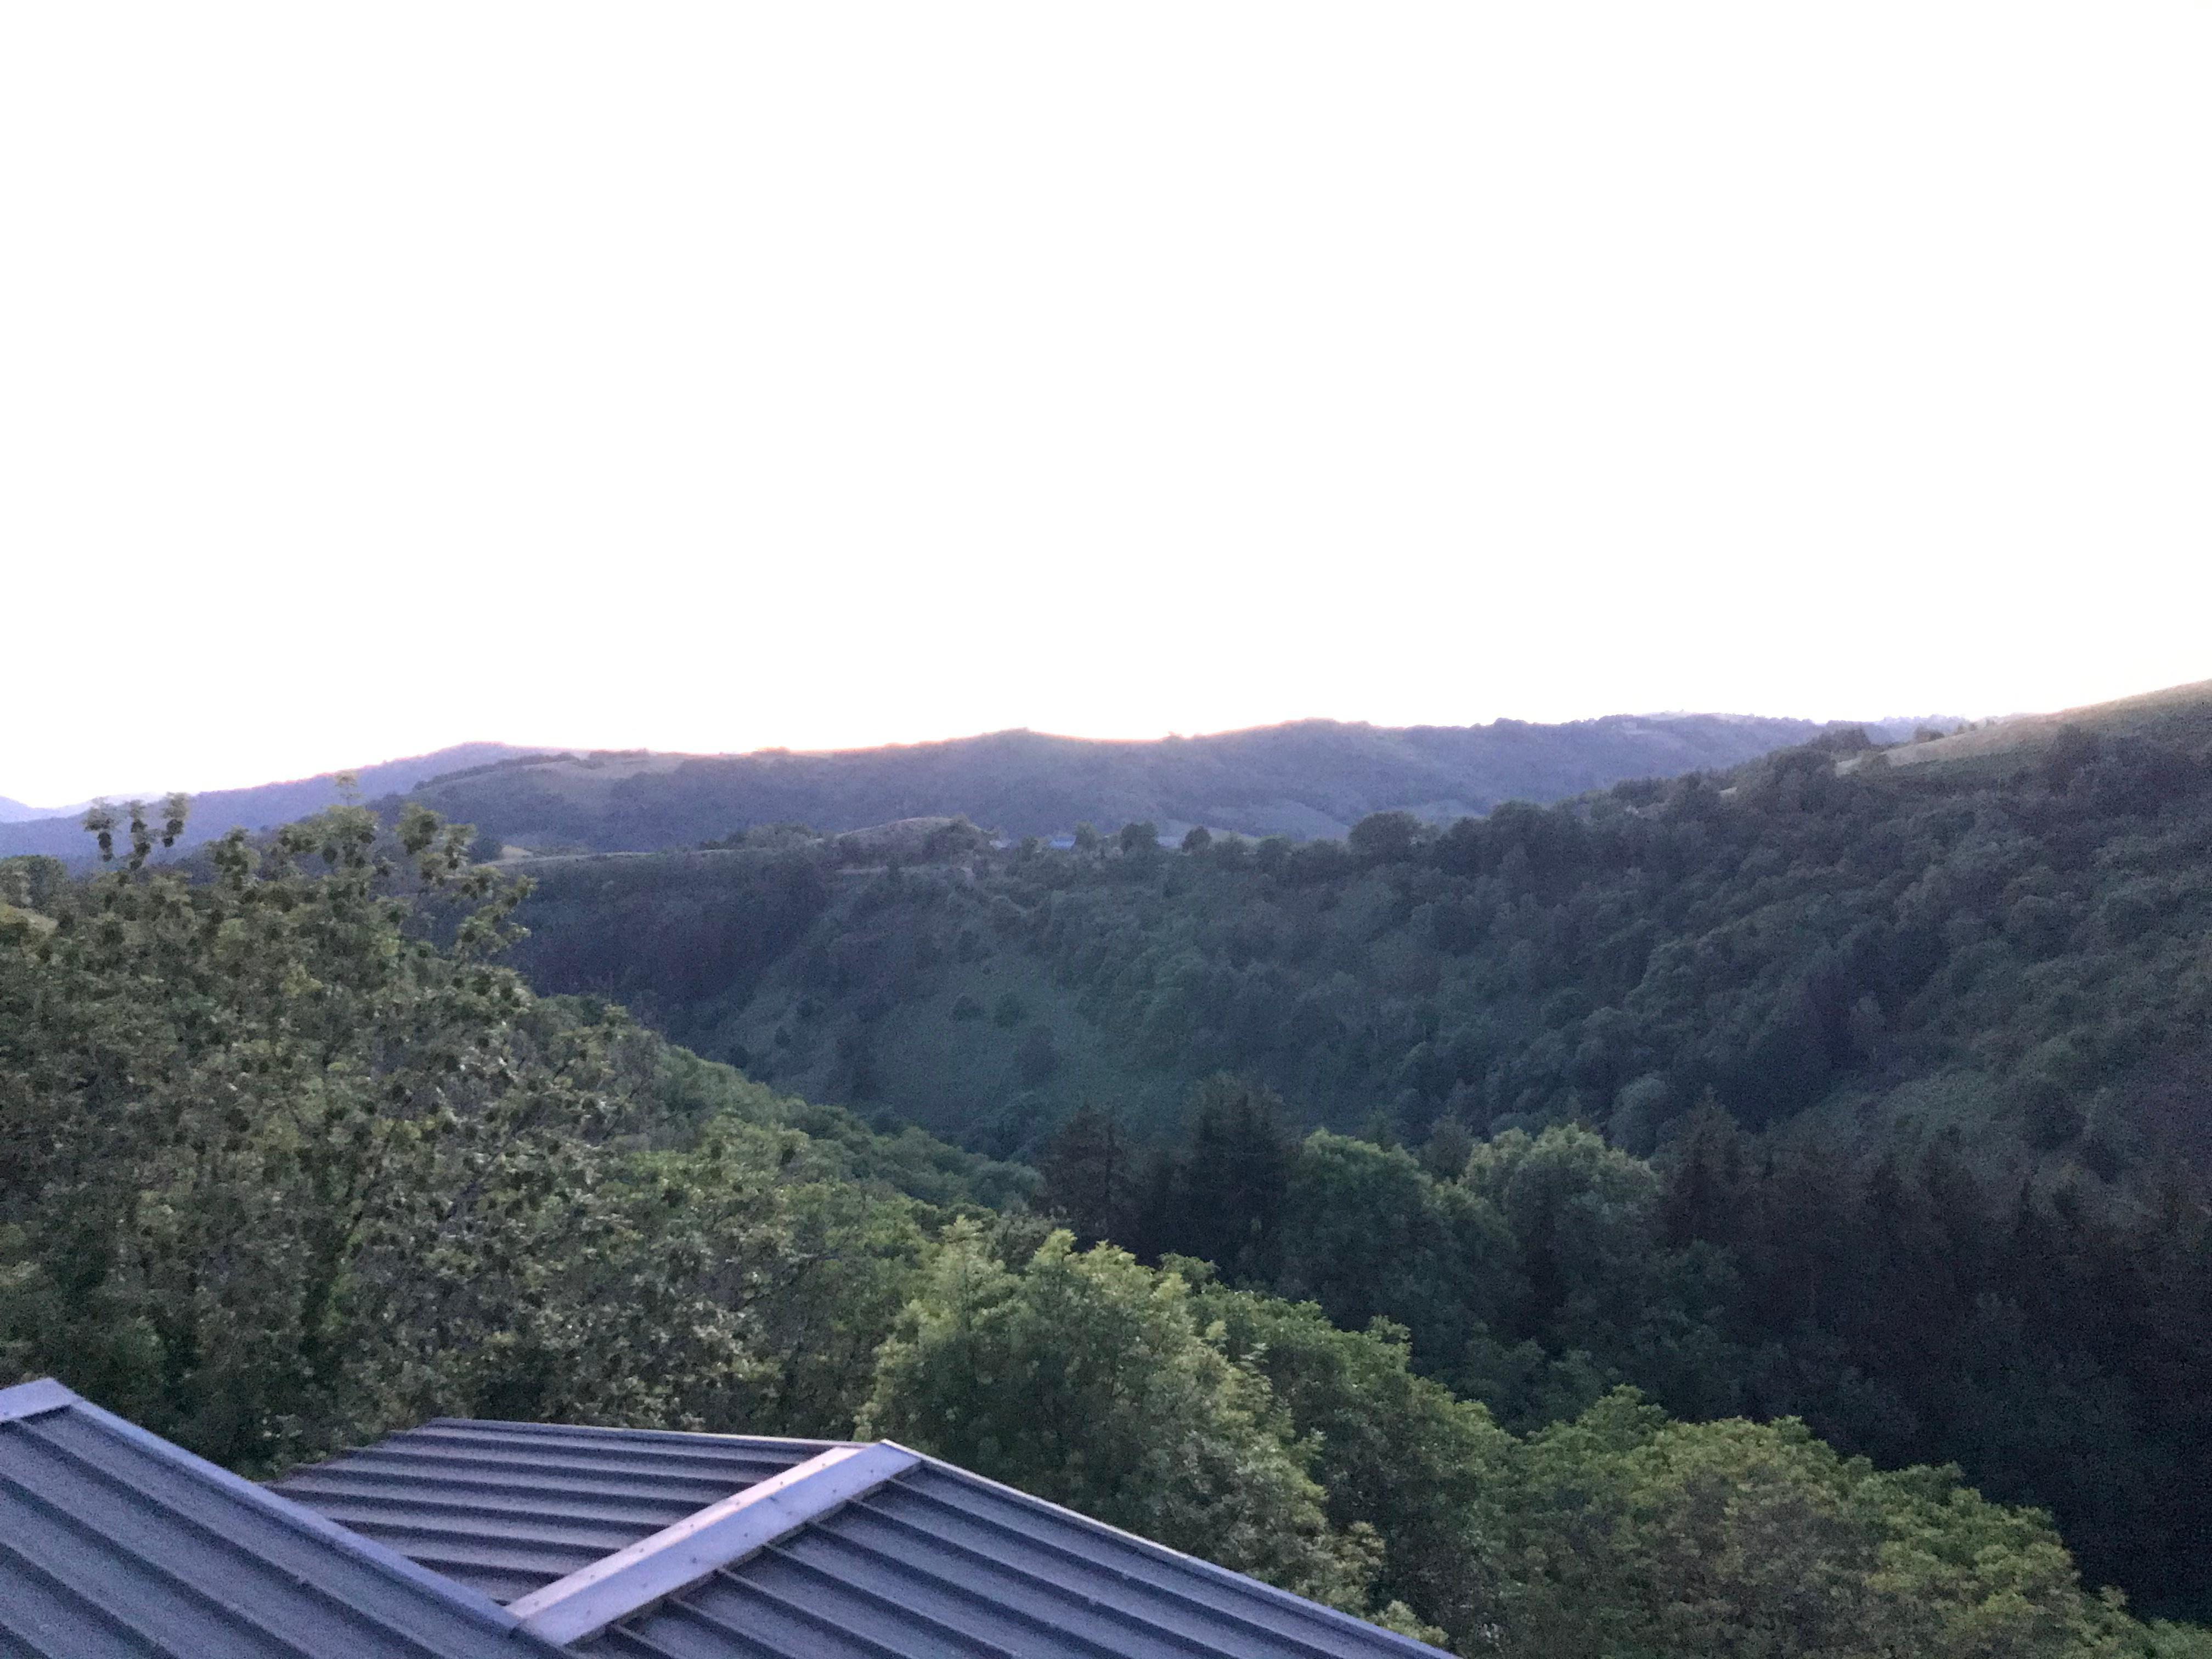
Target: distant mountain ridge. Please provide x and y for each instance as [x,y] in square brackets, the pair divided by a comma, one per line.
[219,810]
[1306,780]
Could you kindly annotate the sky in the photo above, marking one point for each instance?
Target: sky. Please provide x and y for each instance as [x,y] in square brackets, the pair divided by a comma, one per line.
[719,376]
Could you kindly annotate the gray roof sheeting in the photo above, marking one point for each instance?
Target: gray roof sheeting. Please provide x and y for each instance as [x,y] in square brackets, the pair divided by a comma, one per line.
[114,1542]
[940,1562]
[507,1508]
[935,1562]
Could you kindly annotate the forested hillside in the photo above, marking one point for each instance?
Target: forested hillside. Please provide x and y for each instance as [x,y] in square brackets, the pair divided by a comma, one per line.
[1308,779]
[1876,1094]
[287,1159]
[2056,1346]
[2014,951]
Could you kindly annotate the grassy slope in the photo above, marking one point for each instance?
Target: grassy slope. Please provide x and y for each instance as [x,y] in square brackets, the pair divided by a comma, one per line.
[2180,714]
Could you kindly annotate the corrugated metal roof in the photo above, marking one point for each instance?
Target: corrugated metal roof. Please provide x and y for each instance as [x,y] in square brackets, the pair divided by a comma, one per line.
[934,1562]
[114,1542]
[940,1563]
[507,1508]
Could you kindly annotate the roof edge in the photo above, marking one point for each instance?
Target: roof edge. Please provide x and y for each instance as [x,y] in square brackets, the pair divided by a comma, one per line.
[459,1596]
[610,1589]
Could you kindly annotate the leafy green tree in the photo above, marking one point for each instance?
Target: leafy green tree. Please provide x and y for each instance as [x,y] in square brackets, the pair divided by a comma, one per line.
[1138,840]
[248,1127]
[1386,838]
[1630,1534]
[278,1170]
[1367,1234]
[1581,1214]
[1085,1378]
[1397,1452]
[1445,1153]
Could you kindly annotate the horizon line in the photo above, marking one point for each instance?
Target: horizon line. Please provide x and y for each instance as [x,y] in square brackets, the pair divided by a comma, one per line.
[525,748]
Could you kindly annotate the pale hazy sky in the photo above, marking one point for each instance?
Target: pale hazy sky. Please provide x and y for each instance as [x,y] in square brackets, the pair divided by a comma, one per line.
[707,377]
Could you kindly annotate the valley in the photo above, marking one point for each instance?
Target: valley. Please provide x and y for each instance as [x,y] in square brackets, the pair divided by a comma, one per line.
[1832,1121]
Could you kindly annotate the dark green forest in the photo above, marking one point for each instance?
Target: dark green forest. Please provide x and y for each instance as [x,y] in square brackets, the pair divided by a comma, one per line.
[1738,1215]
[1898,1075]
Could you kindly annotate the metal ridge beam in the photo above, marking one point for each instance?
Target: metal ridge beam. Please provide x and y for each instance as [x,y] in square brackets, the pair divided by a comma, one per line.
[678,1557]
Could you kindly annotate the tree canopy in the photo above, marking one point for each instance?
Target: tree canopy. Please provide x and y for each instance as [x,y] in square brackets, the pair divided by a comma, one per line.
[287,1158]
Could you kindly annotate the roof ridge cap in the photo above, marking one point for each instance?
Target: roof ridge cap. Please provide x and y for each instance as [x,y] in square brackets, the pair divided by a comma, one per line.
[680,1555]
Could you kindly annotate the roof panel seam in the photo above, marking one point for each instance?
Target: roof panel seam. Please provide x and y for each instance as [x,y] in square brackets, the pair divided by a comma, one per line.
[904,1610]
[1113,1613]
[312,1587]
[153,1567]
[587,1431]
[69,1593]
[1107,1568]
[1286,1601]
[633,1641]
[299,1518]
[804,1615]
[372,1483]
[521,1461]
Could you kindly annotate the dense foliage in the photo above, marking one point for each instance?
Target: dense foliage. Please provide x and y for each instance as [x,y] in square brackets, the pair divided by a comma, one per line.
[1084,1379]
[2017,953]
[286,1159]
[276,1170]
[1249,1429]
[2058,1349]
[1951,1025]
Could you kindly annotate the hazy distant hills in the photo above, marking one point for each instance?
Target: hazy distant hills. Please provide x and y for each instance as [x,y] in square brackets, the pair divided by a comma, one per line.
[221,810]
[1308,779]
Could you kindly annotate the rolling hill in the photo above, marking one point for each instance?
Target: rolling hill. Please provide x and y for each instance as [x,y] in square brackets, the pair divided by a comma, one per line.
[1306,780]
[2011,948]
[219,810]
[2180,714]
